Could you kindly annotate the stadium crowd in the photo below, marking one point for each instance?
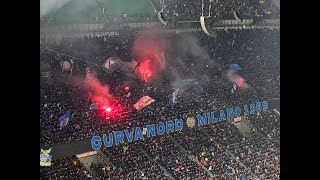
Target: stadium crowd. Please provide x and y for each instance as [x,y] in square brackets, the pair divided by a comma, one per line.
[269,124]
[65,168]
[256,51]
[61,96]
[260,155]
[178,10]
[132,164]
[188,10]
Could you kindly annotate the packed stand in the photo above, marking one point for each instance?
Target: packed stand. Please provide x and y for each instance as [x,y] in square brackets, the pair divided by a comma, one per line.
[65,168]
[180,165]
[178,10]
[269,124]
[132,163]
[230,47]
[214,156]
[258,154]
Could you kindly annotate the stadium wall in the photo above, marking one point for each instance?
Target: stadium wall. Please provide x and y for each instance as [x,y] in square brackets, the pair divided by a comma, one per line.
[74,30]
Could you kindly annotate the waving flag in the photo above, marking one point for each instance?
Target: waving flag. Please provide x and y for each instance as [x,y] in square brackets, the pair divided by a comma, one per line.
[172,98]
[111,64]
[143,102]
[235,86]
[235,67]
[45,158]
[63,120]
[67,66]
[174,95]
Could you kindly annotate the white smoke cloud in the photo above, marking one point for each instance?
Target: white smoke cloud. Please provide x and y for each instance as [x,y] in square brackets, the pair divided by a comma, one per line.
[47,6]
[190,44]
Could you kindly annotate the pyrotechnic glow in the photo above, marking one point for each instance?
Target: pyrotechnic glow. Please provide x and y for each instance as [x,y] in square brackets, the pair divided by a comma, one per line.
[99,93]
[112,112]
[242,82]
[149,50]
[145,70]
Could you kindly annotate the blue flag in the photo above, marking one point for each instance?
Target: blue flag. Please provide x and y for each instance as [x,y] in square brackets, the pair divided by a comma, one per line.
[235,67]
[63,120]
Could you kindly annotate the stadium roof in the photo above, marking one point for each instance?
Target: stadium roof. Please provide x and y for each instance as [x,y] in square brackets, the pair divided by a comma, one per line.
[85,10]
